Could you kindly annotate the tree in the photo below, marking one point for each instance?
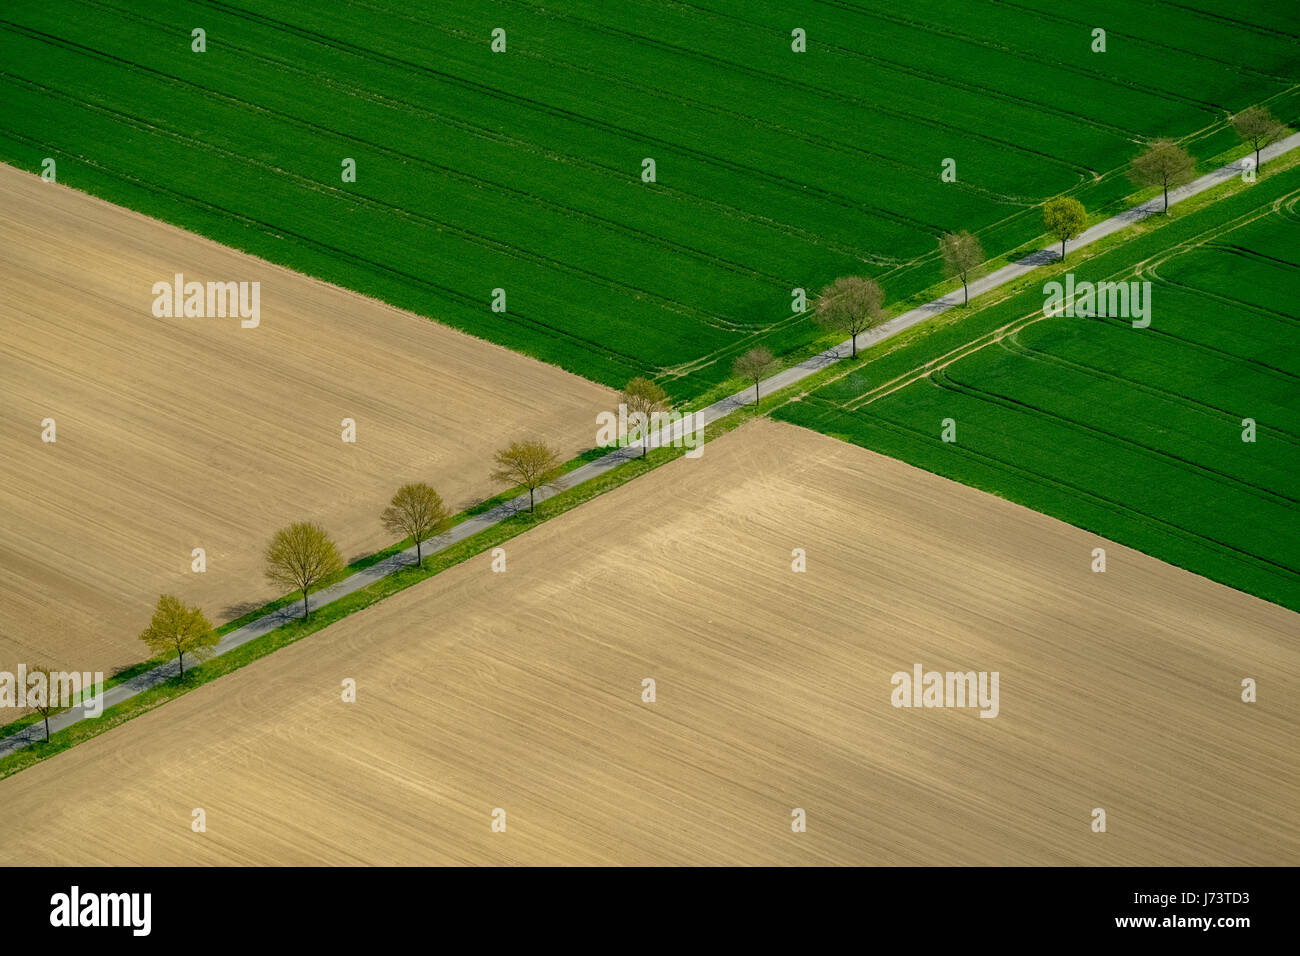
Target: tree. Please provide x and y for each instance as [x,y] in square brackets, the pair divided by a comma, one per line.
[180,629]
[850,304]
[644,397]
[1259,127]
[755,365]
[528,463]
[416,511]
[1163,163]
[299,556]
[961,253]
[43,703]
[1064,219]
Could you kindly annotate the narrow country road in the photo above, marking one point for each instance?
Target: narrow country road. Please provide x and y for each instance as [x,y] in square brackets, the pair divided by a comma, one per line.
[712,413]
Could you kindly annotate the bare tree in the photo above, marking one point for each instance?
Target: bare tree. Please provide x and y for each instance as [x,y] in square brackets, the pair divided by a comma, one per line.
[43,702]
[644,398]
[850,304]
[528,463]
[1163,163]
[961,253]
[755,365]
[1064,219]
[180,629]
[299,556]
[416,511]
[1259,127]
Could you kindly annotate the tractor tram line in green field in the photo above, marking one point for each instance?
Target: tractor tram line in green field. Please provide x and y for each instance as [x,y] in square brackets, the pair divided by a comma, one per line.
[1003,334]
[519,169]
[1176,474]
[1012,343]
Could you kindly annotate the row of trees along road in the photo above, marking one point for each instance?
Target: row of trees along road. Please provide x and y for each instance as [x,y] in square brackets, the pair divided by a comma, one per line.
[852,305]
[1165,164]
[302,555]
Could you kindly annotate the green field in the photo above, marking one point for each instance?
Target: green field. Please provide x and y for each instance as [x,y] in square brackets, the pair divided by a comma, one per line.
[521,170]
[1136,434]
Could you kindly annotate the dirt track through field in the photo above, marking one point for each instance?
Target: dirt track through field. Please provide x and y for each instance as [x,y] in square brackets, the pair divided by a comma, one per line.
[175,434]
[522,691]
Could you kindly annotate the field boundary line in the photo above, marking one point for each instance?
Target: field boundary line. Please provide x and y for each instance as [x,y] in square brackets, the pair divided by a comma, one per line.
[723,408]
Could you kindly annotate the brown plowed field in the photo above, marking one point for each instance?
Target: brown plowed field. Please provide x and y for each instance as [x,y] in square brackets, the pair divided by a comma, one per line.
[175,434]
[522,691]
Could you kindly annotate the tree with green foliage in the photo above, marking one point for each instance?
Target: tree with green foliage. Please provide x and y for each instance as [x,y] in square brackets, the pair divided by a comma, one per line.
[416,511]
[528,463]
[1064,218]
[755,365]
[180,629]
[1163,163]
[299,556]
[644,399]
[961,253]
[850,304]
[1258,126]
